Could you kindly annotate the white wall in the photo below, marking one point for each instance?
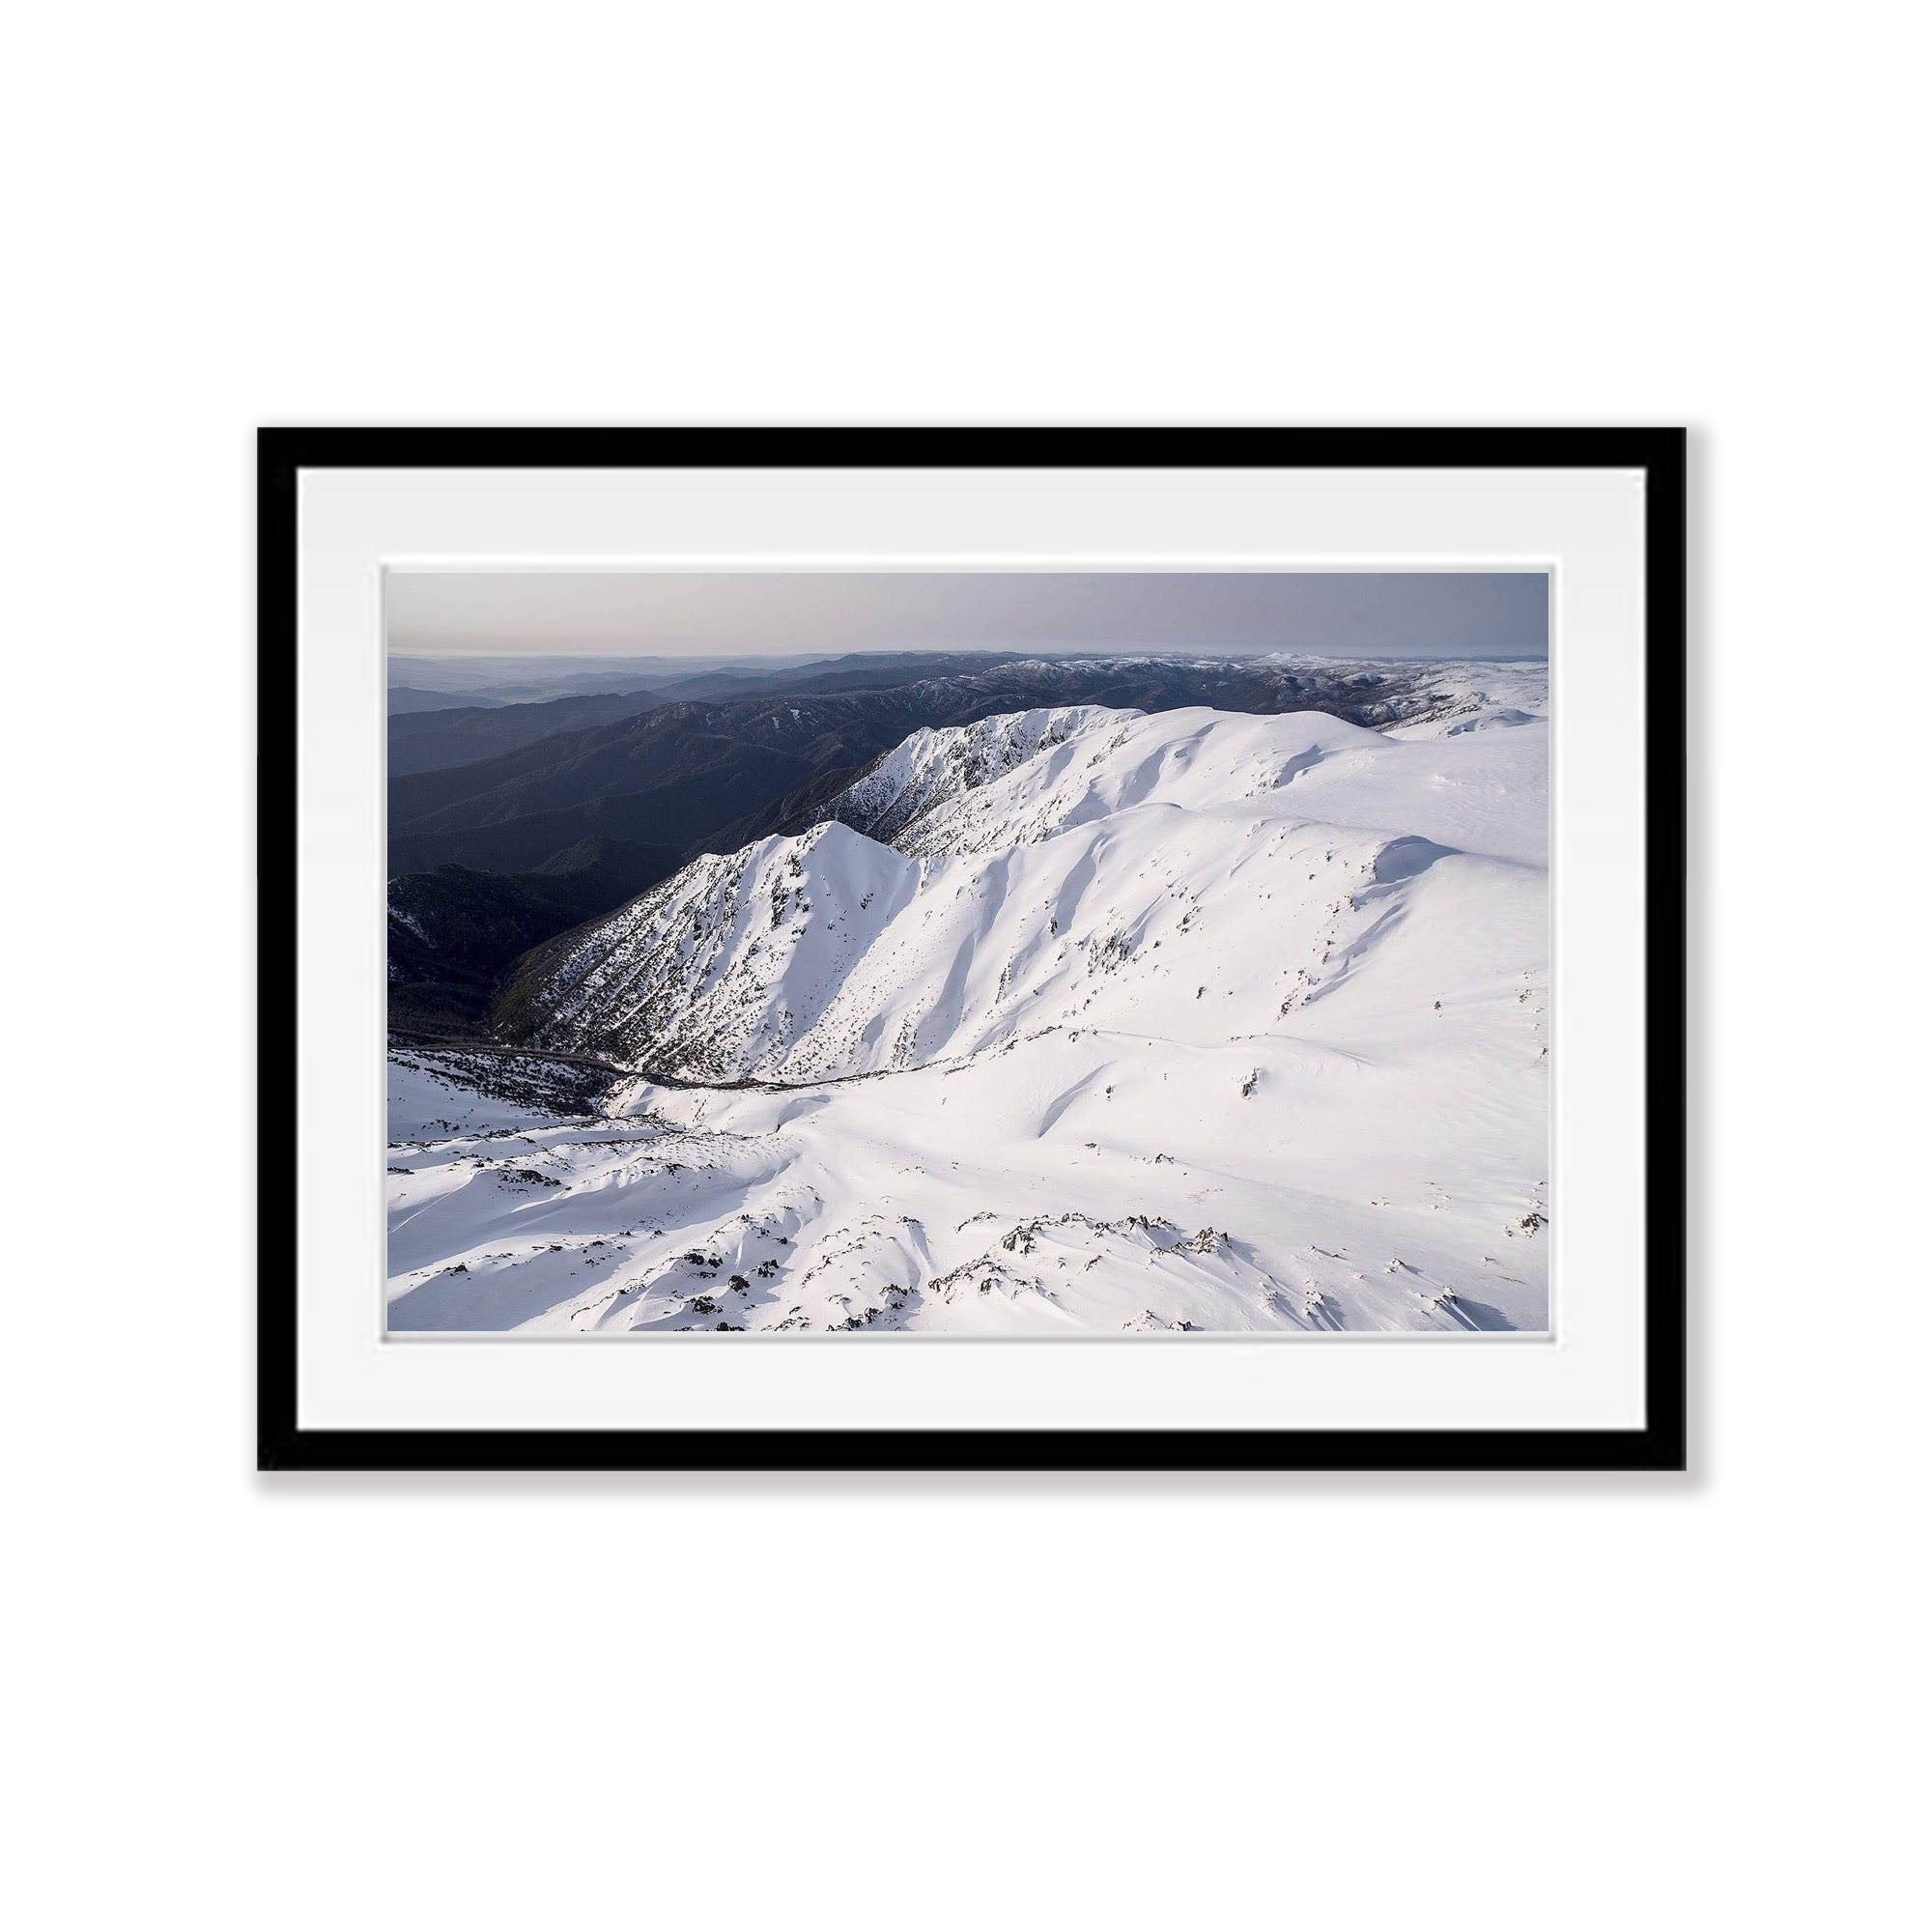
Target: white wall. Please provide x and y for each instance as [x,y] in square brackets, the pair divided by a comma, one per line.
[885,1701]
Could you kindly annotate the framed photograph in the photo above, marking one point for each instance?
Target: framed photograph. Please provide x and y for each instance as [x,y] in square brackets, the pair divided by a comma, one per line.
[971,949]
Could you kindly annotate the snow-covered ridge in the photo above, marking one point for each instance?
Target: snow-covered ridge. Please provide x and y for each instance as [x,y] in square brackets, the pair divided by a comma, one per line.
[1194,760]
[1399,697]
[1034,899]
[933,768]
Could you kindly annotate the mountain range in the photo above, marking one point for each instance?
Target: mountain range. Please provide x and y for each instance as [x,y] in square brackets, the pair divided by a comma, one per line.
[1074,1020]
[577,804]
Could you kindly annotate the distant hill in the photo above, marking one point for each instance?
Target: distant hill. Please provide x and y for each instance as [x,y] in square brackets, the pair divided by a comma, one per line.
[405,698]
[430,741]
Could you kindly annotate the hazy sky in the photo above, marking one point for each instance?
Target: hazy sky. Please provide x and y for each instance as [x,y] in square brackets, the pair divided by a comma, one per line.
[747,612]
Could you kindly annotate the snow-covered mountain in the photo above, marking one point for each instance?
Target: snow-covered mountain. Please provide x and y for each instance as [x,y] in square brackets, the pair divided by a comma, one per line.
[1101,1022]
[933,767]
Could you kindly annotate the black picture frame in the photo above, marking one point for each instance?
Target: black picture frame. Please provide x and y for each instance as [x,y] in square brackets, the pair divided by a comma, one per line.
[1659,1444]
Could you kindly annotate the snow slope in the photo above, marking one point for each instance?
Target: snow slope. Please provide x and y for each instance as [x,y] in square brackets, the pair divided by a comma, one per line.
[1138,1023]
